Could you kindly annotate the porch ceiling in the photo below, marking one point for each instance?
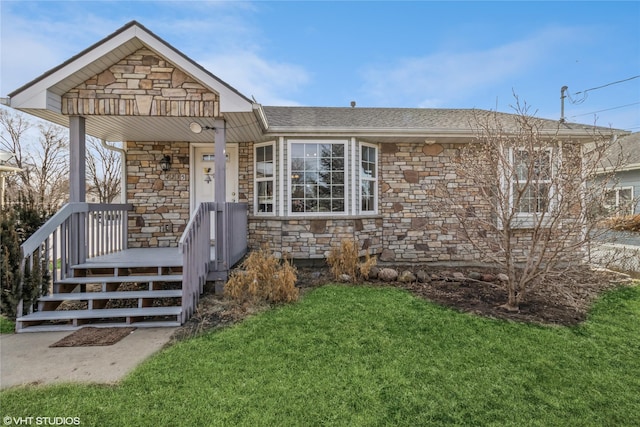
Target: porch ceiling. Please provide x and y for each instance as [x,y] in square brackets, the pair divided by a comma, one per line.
[241,127]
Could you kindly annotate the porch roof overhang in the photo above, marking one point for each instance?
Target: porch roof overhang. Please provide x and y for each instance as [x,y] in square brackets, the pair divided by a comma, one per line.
[42,97]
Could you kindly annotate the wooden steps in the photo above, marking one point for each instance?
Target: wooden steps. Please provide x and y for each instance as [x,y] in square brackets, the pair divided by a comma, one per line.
[139,291]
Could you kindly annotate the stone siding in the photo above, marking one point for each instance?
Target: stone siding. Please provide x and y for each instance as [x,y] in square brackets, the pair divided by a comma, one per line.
[306,238]
[160,199]
[416,229]
[142,84]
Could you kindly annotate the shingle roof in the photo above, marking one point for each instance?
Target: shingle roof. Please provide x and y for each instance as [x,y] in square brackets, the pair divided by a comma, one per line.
[627,148]
[282,118]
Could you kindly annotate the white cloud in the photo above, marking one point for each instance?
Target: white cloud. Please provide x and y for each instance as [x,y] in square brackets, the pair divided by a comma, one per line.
[269,82]
[443,78]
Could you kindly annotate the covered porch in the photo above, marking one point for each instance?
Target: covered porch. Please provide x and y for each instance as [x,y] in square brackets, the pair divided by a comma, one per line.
[133,87]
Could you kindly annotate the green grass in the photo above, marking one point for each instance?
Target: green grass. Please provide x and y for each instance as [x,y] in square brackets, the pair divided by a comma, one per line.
[352,356]
[6,326]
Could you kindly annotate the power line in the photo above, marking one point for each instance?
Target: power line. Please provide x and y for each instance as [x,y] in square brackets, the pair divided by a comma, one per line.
[608,84]
[585,93]
[608,109]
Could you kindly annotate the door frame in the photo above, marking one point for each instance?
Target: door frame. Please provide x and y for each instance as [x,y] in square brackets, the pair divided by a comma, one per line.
[192,169]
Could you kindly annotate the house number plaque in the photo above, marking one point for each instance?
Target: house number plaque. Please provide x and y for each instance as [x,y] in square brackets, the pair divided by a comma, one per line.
[175,176]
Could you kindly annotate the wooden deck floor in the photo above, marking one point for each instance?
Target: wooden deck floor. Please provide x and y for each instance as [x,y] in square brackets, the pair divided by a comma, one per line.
[140,257]
[137,257]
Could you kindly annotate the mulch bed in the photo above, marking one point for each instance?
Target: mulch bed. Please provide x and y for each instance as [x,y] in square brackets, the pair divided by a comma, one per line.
[563,301]
[90,336]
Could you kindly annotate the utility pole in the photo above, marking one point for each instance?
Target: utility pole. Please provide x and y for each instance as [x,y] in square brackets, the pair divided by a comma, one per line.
[563,89]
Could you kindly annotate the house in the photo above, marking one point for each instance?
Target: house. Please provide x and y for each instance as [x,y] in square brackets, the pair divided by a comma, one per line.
[211,173]
[624,196]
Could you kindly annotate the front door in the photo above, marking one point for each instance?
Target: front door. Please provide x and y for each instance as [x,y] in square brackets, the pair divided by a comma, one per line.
[204,175]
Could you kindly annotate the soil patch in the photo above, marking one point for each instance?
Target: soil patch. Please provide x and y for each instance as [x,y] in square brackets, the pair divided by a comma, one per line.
[562,301]
[90,336]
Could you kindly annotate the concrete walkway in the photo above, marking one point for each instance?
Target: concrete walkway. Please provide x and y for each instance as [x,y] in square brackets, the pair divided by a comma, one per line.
[27,359]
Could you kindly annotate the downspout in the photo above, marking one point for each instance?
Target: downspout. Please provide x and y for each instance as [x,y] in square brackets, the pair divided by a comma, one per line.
[123,179]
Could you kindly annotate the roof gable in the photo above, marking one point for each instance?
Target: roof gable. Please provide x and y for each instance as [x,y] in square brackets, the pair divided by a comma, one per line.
[45,92]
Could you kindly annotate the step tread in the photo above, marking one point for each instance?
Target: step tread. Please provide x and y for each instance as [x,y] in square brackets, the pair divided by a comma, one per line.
[100,313]
[120,279]
[81,296]
[70,328]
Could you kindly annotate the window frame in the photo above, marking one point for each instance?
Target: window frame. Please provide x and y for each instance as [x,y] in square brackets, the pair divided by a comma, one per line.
[257,180]
[291,142]
[532,219]
[617,208]
[362,177]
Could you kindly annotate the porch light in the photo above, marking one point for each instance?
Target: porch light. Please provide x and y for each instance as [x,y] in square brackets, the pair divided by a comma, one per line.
[165,163]
[197,127]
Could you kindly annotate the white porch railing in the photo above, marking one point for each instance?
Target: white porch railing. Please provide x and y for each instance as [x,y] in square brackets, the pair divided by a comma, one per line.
[74,233]
[229,219]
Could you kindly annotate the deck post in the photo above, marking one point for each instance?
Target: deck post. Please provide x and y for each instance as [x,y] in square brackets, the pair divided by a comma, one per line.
[77,186]
[220,195]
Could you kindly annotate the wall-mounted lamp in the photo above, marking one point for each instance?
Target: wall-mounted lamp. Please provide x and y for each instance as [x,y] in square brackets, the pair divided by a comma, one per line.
[197,127]
[165,163]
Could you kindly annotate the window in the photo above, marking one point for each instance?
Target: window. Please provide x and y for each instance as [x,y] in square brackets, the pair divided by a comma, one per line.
[531,191]
[619,201]
[264,177]
[368,178]
[317,177]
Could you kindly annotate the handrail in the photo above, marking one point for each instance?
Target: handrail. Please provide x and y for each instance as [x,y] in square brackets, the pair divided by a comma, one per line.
[36,239]
[74,233]
[195,246]
[229,219]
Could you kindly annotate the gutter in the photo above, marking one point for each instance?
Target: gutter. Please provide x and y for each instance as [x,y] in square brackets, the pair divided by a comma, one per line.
[123,178]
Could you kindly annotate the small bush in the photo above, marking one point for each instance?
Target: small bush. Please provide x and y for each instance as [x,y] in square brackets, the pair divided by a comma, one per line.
[344,260]
[263,278]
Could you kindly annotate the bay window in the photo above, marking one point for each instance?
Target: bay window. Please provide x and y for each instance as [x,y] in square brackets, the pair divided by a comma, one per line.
[264,178]
[368,178]
[317,176]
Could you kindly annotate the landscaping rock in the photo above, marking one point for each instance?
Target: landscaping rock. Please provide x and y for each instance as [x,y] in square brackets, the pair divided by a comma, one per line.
[458,276]
[423,276]
[502,277]
[407,277]
[373,273]
[345,278]
[488,277]
[475,275]
[387,274]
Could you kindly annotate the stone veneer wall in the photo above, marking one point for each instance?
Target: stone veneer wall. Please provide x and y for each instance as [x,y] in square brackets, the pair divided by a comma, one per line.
[160,199]
[415,227]
[142,84]
[303,238]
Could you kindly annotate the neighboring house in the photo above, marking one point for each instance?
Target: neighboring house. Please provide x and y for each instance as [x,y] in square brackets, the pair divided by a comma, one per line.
[624,197]
[206,164]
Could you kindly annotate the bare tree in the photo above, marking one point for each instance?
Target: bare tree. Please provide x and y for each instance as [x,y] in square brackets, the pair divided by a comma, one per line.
[104,172]
[521,197]
[14,127]
[42,156]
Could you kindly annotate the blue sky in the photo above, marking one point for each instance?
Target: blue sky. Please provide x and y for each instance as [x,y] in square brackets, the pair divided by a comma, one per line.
[379,54]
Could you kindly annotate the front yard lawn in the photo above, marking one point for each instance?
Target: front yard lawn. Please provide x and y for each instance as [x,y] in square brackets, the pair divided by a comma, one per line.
[374,356]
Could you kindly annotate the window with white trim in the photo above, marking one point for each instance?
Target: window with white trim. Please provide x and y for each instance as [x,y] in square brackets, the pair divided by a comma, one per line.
[264,178]
[619,200]
[368,178]
[317,176]
[531,187]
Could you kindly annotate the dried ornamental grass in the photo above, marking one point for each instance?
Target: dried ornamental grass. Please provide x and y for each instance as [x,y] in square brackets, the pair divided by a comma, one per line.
[263,278]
